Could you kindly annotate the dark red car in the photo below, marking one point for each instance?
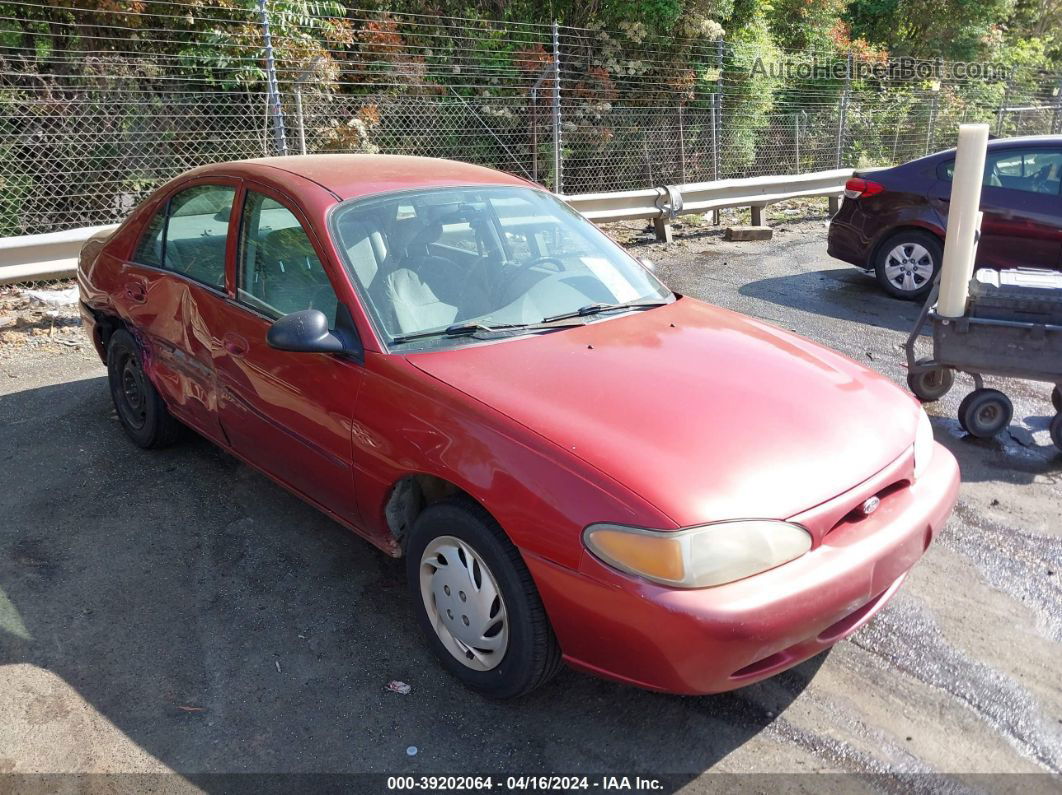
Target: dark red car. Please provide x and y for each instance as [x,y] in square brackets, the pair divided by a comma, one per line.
[892,221]
[575,462]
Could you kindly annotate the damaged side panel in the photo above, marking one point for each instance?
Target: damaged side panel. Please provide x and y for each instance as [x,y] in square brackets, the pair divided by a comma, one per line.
[167,314]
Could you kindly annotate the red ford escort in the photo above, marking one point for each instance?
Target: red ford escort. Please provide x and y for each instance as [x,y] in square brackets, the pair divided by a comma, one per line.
[577,464]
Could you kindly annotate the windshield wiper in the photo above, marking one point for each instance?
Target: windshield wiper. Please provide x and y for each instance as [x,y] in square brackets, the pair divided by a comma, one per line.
[468,329]
[594,309]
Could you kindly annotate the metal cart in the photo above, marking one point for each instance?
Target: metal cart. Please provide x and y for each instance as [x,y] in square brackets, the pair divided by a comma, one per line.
[1012,328]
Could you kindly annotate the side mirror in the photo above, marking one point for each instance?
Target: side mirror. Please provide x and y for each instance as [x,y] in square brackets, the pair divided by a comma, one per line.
[304,332]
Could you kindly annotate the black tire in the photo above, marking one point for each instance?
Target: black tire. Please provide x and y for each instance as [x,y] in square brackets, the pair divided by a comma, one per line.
[1056,398]
[141,410]
[932,384]
[532,656]
[1055,429]
[924,268]
[985,412]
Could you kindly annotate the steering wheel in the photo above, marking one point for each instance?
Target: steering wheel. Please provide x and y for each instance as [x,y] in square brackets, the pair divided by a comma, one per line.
[520,283]
[503,278]
[1039,181]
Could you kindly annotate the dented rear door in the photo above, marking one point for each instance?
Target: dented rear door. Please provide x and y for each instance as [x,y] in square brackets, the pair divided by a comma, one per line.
[171,291]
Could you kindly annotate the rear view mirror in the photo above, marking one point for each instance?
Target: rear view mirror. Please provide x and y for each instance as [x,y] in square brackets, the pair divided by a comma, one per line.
[304,332]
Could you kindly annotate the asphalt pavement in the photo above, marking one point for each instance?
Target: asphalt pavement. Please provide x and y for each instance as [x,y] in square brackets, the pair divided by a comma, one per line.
[176,611]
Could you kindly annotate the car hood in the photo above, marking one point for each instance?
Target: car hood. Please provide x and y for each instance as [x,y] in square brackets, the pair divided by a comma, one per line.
[705,413]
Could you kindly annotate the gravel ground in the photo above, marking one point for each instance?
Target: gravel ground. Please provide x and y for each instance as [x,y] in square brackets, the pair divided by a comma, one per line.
[39,320]
[175,611]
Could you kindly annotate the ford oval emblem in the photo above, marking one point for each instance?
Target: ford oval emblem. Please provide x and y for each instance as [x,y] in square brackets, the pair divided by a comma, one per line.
[871,505]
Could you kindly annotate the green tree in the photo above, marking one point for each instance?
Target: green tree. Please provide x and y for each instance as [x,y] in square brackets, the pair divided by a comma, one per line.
[950,29]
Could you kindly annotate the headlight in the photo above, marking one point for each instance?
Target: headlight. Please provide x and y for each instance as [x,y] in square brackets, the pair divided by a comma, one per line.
[923,444]
[700,556]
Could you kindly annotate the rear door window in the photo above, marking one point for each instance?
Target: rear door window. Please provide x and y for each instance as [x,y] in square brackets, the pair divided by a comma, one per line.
[188,234]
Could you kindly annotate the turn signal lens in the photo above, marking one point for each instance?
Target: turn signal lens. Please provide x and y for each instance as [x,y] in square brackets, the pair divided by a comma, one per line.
[857,188]
[653,555]
[698,557]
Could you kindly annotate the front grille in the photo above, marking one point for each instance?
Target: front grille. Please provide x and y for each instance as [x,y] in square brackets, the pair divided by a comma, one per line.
[845,509]
[857,515]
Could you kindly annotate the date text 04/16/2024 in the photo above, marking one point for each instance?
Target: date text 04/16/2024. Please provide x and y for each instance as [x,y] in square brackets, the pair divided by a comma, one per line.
[539,783]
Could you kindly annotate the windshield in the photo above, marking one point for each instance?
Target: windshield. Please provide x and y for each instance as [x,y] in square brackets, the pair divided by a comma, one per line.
[485,257]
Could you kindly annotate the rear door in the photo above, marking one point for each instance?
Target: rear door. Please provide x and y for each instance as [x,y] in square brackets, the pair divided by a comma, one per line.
[1022,206]
[171,291]
[288,413]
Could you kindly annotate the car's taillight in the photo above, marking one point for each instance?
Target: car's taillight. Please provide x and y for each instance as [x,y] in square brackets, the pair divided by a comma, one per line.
[857,188]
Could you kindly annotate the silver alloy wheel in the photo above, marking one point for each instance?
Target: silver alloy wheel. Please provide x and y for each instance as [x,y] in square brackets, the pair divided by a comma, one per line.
[909,266]
[464,603]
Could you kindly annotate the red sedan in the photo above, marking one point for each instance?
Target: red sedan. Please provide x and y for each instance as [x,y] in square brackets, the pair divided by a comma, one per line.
[576,463]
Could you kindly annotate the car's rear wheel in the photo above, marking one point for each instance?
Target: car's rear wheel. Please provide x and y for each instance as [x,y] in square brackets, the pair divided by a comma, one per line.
[907,262]
[140,409]
[1056,398]
[476,602]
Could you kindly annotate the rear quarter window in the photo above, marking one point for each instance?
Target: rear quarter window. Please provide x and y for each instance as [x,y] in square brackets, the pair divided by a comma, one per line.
[149,249]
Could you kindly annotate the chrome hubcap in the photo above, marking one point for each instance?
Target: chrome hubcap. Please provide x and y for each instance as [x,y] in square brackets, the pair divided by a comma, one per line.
[909,266]
[464,603]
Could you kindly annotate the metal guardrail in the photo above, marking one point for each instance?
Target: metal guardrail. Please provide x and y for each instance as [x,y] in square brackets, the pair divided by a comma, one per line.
[54,255]
[40,257]
[662,205]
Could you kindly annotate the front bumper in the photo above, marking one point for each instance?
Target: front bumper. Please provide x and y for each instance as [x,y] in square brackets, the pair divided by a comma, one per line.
[716,639]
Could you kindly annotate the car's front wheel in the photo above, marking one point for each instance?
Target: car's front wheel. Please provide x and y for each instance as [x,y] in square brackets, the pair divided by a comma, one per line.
[140,408]
[907,262]
[476,602]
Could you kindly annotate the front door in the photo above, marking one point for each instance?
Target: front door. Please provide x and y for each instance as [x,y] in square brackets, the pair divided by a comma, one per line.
[1022,207]
[1022,223]
[289,413]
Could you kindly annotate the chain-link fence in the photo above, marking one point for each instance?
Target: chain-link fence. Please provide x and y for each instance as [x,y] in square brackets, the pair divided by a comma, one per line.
[99,107]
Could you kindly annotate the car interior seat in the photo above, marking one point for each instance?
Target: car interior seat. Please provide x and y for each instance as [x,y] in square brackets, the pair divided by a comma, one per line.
[201,258]
[426,290]
[366,250]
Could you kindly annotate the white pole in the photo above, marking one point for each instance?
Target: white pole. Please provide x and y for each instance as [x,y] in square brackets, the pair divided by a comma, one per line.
[964,219]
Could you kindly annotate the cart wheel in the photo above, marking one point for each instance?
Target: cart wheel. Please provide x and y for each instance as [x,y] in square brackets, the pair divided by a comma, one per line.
[1056,398]
[932,384]
[985,412]
[1055,429]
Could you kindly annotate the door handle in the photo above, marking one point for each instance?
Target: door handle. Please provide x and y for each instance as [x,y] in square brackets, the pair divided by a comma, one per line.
[135,291]
[234,344]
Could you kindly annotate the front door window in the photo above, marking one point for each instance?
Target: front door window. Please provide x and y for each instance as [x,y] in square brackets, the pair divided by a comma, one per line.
[279,271]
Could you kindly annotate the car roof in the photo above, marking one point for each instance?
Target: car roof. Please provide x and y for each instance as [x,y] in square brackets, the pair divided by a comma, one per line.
[1026,139]
[351,175]
[931,161]
[1007,143]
